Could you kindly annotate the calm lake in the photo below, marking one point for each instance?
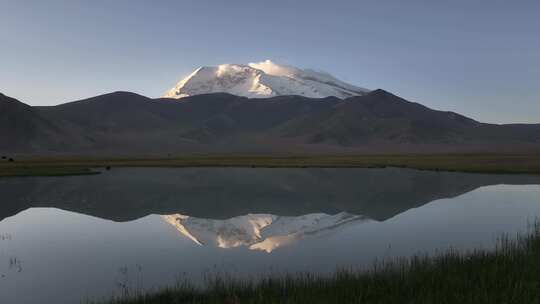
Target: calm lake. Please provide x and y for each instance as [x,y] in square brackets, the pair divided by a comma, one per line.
[70,239]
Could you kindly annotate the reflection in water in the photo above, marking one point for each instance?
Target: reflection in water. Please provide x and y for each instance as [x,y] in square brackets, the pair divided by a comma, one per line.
[15,264]
[264,232]
[222,193]
[5,237]
[65,239]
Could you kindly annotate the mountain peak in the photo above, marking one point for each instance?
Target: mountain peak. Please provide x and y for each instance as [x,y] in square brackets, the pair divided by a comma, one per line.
[382,94]
[262,79]
[11,102]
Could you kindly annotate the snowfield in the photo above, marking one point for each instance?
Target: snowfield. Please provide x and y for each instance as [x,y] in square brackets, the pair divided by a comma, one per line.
[261,80]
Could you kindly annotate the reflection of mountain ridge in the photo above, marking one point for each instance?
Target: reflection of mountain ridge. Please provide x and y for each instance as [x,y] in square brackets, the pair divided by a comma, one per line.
[222,193]
[264,232]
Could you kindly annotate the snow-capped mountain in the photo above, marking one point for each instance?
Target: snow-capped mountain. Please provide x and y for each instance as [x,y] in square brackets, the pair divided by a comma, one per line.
[263,79]
[264,232]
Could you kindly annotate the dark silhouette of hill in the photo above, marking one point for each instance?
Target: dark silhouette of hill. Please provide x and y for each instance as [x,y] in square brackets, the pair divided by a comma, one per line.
[22,127]
[123,123]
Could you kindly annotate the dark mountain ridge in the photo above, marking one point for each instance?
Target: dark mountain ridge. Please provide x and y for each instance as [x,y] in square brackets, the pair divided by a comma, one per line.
[23,128]
[124,123]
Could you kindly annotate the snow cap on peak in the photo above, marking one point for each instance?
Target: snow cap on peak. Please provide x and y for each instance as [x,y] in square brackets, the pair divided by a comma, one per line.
[271,68]
[262,79]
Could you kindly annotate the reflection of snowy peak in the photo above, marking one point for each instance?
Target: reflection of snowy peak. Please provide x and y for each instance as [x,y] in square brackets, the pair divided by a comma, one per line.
[263,79]
[264,232]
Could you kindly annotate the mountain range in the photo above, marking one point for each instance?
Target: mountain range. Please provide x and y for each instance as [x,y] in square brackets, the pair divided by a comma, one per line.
[250,108]
[123,123]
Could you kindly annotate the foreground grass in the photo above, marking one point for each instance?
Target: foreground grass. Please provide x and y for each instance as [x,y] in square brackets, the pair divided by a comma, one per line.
[477,163]
[510,274]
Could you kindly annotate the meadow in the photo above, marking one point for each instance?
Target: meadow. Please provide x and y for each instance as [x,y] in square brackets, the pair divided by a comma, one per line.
[508,274]
[472,163]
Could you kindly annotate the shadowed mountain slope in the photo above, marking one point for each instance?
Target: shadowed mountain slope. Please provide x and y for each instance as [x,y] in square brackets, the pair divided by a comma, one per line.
[124,123]
[24,129]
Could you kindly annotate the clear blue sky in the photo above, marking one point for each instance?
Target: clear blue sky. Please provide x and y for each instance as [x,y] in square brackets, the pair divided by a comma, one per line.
[480,58]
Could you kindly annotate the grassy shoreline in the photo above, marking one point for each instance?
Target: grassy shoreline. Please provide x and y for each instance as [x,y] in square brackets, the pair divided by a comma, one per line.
[472,163]
[508,274]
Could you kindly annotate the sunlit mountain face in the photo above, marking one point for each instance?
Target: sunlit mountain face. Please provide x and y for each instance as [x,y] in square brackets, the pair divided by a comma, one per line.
[264,232]
[263,79]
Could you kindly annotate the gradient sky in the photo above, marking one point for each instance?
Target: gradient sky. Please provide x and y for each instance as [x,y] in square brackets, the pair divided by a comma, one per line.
[479,58]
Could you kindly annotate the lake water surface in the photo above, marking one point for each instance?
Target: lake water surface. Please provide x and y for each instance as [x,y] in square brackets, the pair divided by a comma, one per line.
[68,239]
